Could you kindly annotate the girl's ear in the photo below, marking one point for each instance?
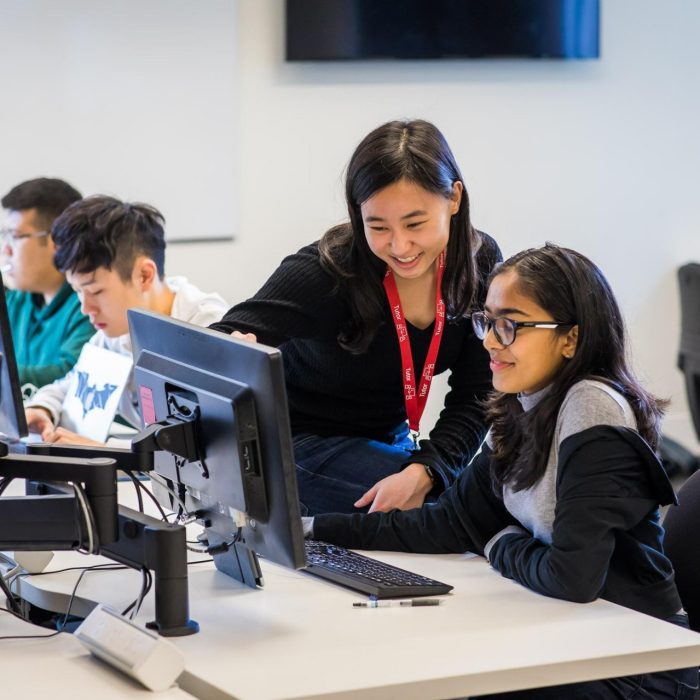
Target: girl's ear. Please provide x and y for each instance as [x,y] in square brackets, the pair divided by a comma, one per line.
[569,348]
[456,198]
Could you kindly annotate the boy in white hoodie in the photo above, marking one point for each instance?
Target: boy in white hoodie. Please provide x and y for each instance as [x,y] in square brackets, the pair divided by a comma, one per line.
[113,255]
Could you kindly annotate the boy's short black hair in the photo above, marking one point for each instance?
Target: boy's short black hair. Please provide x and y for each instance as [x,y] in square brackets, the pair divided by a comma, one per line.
[102,231]
[48,195]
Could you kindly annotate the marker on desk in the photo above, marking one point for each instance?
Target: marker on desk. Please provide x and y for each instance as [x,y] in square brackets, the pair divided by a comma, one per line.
[403,603]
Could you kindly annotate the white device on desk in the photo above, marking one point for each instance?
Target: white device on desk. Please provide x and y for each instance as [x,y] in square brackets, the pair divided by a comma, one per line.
[31,562]
[151,660]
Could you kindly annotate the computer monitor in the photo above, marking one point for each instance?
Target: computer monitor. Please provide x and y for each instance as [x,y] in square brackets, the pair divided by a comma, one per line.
[217,410]
[13,423]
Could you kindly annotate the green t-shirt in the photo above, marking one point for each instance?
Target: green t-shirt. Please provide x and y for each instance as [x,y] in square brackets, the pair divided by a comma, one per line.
[47,338]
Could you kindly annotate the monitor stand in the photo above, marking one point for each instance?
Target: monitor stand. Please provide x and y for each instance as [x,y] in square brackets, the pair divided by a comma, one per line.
[235,560]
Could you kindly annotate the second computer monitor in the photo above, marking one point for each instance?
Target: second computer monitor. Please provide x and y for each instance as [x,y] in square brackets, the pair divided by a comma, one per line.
[13,424]
[219,407]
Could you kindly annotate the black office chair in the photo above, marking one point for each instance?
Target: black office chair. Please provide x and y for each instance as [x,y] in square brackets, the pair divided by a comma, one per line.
[682,545]
[676,458]
[682,523]
[689,352]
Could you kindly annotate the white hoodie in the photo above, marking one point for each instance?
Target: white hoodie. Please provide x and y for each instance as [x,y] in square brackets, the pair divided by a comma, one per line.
[190,305]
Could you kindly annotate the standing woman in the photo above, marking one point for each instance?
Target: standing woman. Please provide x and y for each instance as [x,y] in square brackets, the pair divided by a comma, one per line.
[368,315]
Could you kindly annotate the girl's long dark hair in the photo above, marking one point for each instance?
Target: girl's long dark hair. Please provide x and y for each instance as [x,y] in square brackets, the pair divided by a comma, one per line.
[415,151]
[571,289]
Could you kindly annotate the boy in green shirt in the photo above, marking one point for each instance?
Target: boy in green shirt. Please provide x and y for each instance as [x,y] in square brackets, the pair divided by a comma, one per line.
[48,328]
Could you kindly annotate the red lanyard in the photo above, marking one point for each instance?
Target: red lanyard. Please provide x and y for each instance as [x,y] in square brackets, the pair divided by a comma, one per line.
[415,400]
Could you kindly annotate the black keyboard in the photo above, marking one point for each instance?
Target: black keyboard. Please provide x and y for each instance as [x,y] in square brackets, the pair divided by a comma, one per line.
[367,575]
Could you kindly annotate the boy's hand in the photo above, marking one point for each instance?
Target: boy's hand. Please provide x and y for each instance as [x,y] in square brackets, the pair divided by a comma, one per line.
[39,420]
[61,436]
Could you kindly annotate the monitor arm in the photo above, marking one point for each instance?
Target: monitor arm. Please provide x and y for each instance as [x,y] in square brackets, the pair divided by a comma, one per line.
[125,459]
[175,435]
[144,542]
[30,524]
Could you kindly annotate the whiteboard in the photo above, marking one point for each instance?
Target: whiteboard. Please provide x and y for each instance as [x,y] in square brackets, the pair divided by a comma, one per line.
[132,98]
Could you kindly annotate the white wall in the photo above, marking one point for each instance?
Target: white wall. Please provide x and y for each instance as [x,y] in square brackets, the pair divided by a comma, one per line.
[601,156]
[124,97]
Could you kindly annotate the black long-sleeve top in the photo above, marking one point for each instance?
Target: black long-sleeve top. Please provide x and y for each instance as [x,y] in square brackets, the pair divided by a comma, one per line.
[302,308]
[607,541]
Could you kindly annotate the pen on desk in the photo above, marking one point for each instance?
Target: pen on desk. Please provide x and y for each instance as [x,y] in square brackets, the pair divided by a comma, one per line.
[403,603]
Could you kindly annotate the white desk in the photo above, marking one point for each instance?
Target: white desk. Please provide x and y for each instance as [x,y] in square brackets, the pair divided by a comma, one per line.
[62,668]
[301,637]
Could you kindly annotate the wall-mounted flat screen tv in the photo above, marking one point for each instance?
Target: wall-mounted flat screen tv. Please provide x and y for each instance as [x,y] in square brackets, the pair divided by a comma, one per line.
[326,30]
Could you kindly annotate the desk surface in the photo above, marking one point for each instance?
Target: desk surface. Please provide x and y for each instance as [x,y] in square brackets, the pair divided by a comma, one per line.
[61,663]
[301,637]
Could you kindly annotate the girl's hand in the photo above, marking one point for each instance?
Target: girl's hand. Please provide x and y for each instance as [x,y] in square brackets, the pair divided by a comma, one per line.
[404,490]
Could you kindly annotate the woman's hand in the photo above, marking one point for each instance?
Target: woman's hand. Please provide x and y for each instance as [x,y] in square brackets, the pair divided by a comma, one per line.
[248,337]
[404,490]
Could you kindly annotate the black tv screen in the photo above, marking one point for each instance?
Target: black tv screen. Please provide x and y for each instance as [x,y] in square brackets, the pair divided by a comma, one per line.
[321,30]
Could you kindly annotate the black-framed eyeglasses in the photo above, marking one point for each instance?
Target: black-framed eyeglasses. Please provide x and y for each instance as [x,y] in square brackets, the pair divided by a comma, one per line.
[10,235]
[505,328]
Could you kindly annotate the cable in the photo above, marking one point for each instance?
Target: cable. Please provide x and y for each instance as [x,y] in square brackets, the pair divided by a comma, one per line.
[134,607]
[137,487]
[147,582]
[163,484]
[93,522]
[26,636]
[95,567]
[89,519]
[145,589]
[180,496]
[106,567]
[6,589]
[79,525]
[60,625]
[220,548]
[197,550]
[163,514]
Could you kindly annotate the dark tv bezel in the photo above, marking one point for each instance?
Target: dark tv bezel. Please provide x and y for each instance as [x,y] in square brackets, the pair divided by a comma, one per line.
[336,31]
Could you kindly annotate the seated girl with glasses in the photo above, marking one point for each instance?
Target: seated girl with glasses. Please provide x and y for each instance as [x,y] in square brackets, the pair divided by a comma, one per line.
[564,497]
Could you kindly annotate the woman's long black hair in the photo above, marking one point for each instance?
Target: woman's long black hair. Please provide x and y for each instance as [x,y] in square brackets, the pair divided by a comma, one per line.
[572,289]
[415,151]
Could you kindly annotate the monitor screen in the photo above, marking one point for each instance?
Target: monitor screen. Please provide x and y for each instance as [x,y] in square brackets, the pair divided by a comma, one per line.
[13,423]
[319,30]
[233,467]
